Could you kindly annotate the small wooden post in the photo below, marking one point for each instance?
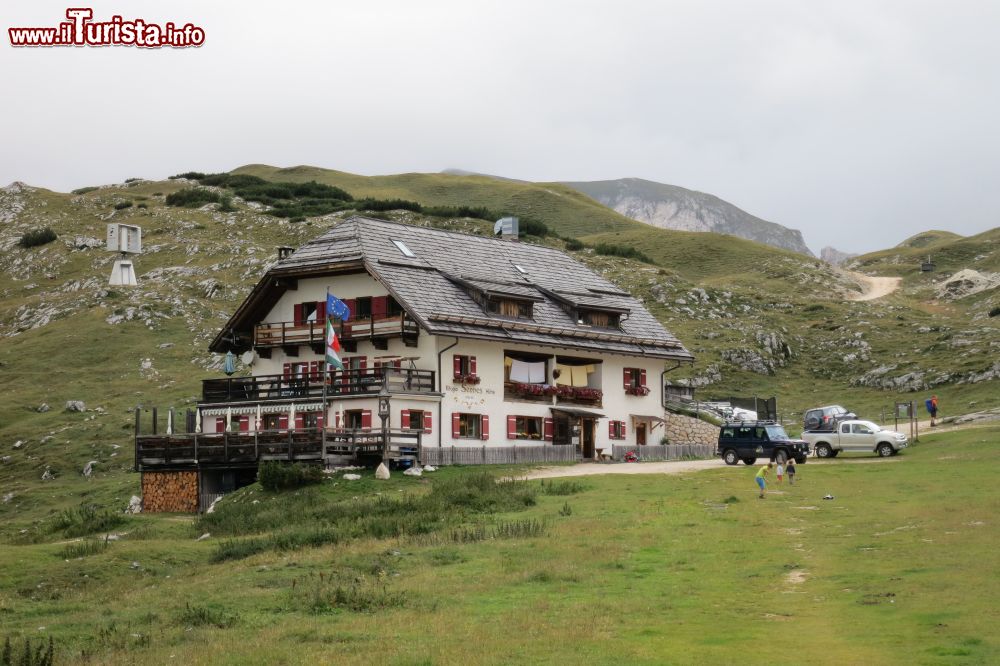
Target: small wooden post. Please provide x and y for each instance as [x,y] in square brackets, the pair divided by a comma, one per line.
[154,420]
[138,417]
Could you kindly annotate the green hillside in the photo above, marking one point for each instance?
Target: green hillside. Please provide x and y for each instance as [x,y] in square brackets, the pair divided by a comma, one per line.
[566,211]
[949,252]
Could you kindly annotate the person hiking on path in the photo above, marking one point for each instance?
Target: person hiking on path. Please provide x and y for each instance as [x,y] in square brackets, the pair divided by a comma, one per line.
[762,479]
[932,407]
[790,471]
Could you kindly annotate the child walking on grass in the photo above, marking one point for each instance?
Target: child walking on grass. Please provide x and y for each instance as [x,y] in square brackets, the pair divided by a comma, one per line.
[762,479]
[780,472]
[790,470]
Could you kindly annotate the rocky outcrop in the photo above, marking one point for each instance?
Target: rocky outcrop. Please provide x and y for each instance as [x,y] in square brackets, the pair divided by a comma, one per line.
[835,257]
[672,207]
[967,282]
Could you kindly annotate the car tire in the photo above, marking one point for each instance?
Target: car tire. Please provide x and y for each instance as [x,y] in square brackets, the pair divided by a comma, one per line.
[749,461]
[730,457]
[801,460]
[780,457]
[884,450]
[835,453]
[824,450]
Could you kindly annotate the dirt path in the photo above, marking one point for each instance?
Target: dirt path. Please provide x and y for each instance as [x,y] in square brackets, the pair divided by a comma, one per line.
[588,469]
[874,287]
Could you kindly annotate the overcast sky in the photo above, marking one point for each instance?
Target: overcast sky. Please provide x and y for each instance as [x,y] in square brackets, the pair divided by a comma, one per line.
[859,123]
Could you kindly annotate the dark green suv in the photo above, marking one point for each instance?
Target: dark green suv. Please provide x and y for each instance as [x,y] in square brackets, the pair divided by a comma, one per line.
[749,440]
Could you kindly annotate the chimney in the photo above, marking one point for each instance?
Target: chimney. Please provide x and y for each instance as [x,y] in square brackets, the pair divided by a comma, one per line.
[284,252]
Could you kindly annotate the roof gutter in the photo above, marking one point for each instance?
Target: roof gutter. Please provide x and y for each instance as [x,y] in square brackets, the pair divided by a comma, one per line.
[441,391]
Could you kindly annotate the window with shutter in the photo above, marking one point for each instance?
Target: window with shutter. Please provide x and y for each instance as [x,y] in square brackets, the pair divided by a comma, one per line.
[380,306]
[548,430]
[404,419]
[511,427]
[628,377]
[469,426]
[366,418]
[485,426]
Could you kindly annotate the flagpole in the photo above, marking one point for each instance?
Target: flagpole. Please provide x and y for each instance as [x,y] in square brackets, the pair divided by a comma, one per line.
[326,370]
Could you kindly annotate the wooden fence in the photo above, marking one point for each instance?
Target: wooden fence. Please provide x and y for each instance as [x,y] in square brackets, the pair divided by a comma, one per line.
[665,452]
[497,455]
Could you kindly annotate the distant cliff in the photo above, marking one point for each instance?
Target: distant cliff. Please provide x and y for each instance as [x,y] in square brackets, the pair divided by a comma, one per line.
[673,207]
[832,255]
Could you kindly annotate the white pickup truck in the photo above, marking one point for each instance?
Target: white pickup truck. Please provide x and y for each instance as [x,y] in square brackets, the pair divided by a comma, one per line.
[862,436]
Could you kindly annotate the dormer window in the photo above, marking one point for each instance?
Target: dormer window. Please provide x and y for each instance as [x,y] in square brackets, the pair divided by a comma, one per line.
[598,319]
[509,307]
[401,246]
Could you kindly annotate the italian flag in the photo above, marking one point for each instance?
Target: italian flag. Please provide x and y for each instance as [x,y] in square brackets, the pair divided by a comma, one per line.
[332,347]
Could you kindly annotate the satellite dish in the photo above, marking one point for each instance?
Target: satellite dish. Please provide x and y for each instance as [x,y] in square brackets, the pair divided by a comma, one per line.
[506,227]
[247,357]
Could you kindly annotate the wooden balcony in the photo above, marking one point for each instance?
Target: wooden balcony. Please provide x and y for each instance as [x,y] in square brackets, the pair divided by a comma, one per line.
[191,450]
[369,381]
[291,334]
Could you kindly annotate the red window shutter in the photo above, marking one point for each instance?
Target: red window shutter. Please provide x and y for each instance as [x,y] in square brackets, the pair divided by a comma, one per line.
[455,427]
[283,422]
[320,420]
[300,420]
[611,427]
[623,429]
[398,364]
[427,423]
[286,370]
[362,363]
[628,377]
[220,424]
[458,366]
[472,366]
[297,318]
[380,306]
[642,377]
[404,419]
[245,423]
[321,312]
[511,427]
[336,419]
[548,429]
[352,305]
[485,427]
[314,370]
[366,418]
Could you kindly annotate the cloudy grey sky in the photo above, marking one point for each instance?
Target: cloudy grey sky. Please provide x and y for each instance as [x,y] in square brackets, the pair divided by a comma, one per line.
[859,123]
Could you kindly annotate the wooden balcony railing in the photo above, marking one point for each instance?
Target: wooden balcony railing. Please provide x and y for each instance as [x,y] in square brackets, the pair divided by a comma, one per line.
[310,385]
[247,448]
[289,333]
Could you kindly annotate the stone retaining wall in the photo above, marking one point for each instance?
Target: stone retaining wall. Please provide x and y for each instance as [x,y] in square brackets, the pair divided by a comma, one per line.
[682,429]
[175,492]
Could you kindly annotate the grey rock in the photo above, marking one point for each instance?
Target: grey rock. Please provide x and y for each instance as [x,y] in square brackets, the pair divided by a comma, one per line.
[42,408]
[352,477]
[8,497]
[18,444]
[47,475]
[75,406]
[134,505]
[413,471]
[88,469]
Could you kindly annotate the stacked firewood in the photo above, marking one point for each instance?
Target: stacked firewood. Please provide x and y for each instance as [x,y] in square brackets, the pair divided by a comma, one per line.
[170,491]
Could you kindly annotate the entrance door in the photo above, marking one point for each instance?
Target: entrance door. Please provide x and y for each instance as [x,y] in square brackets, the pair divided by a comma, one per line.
[640,434]
[587,438]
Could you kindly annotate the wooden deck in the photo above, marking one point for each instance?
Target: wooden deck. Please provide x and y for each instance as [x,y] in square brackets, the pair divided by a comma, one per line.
[310,385]
[289,333]
[233,449]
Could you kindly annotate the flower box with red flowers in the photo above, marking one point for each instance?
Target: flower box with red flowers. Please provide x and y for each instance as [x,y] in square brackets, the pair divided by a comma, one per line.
[529,389]
[467,379]
[588,394]
[637,390]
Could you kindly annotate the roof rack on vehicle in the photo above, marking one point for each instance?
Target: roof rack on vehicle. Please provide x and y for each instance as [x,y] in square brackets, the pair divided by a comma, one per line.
[755,422]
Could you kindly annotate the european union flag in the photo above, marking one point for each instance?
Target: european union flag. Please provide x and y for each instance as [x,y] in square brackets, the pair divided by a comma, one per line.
[337,308]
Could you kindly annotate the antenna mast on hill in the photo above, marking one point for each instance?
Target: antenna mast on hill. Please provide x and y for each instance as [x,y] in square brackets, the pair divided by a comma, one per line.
[125,239]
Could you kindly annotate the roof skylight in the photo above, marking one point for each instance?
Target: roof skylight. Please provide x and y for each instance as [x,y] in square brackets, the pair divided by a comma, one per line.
[521,269]
[401,246]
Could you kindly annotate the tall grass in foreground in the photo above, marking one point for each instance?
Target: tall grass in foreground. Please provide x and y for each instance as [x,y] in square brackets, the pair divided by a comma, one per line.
[313,517]
[85,519]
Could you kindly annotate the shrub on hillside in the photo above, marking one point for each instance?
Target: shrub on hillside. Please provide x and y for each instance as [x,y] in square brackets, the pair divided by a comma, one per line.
[84,190]
[37,237]
[283,476]
[995,311]
[41,655]
[86,519]
[531,227]
[189,175]
[122,205]
[192,197]
[624,251]
[574,245]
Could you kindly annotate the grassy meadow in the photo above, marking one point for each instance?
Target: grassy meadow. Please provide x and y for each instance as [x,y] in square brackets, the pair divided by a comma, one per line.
[900,568]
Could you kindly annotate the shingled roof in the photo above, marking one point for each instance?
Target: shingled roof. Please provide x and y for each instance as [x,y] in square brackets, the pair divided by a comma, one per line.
[437,284]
